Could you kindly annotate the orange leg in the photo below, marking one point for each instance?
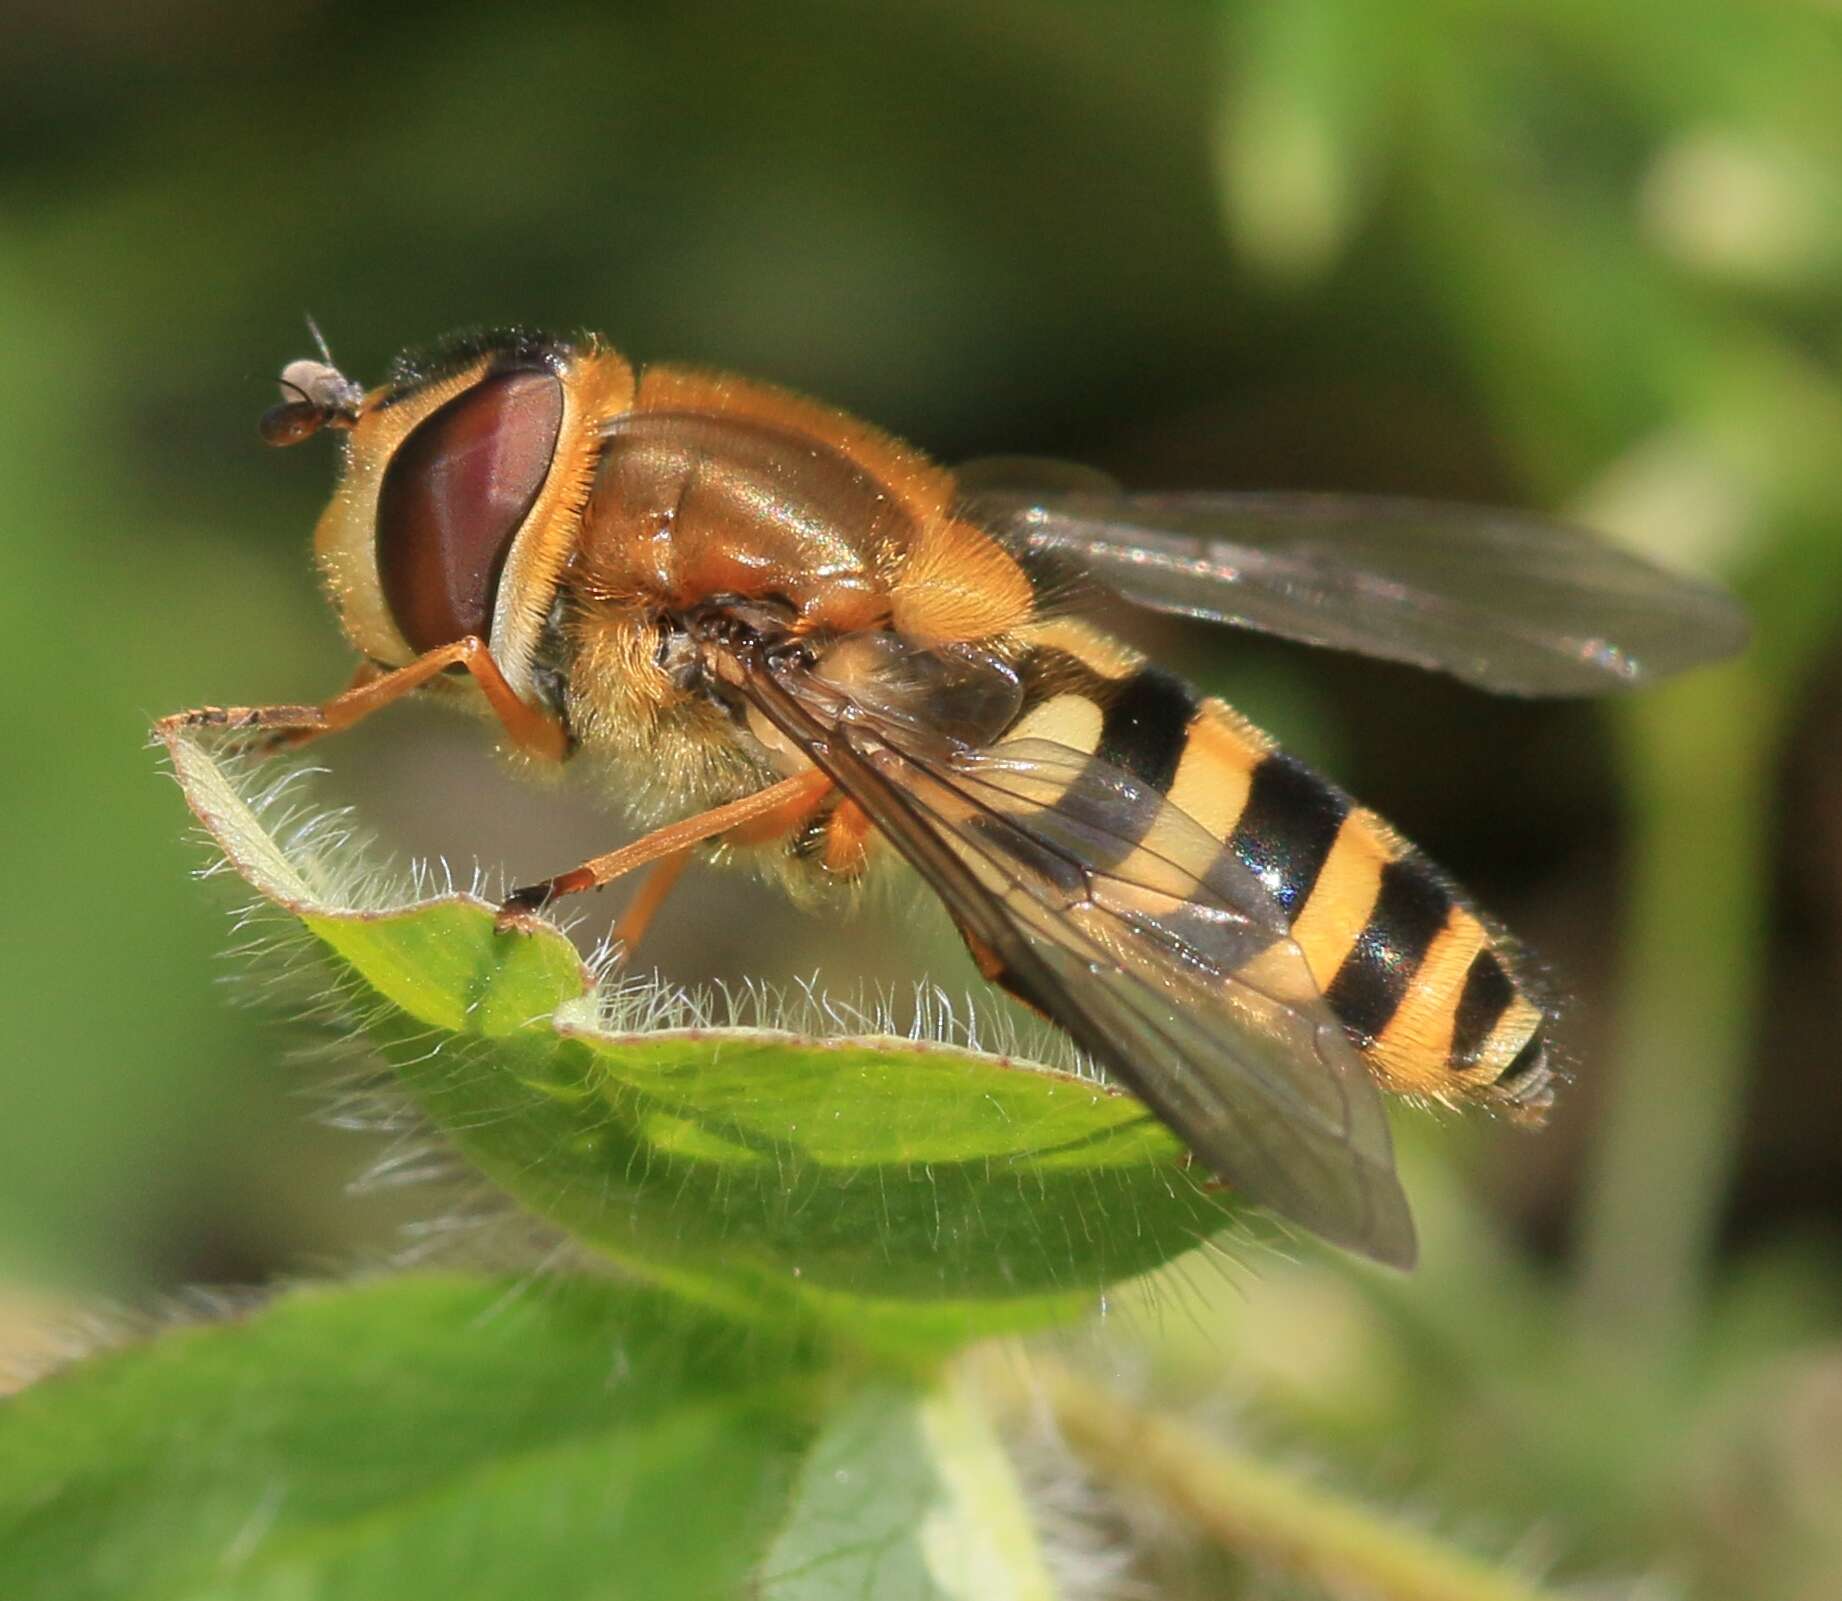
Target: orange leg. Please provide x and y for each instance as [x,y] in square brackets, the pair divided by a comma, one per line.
[764,815]
[530,729]
[661,879]
[277,740]
[995,970]
[847,840]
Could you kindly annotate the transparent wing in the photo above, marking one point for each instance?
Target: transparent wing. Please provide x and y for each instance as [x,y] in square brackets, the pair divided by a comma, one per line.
[1129,925]
[1507,602]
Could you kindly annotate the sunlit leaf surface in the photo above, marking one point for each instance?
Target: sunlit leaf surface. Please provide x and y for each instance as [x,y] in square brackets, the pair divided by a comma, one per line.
[907,1194]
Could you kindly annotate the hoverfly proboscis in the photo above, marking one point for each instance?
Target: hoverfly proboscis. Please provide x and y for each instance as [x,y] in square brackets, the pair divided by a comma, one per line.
[750,607]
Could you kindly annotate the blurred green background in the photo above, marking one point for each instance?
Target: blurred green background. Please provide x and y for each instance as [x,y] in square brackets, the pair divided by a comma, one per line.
[1546,252]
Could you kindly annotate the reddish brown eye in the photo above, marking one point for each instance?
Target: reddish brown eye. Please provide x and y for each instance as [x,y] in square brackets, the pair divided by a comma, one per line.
[453,496]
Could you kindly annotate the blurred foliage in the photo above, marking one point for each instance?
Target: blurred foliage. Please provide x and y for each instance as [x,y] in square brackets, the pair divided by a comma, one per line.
[362,1440]
[1559,253]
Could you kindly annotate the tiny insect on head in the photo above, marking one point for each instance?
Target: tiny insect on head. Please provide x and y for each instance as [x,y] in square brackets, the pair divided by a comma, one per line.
[314,395]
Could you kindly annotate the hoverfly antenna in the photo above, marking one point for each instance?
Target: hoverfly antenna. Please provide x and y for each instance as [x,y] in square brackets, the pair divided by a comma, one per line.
[314,395]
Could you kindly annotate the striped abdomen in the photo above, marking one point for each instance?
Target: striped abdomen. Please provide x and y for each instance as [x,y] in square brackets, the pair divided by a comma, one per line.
[1416,979]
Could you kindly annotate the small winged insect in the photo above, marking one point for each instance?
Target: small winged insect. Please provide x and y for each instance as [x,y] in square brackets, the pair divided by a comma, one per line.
[797,634]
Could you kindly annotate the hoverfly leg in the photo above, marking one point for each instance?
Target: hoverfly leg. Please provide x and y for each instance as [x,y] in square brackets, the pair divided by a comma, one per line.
[630,927]
[764,815]
[279,739]
[993,969]
[531,730]
[535,732]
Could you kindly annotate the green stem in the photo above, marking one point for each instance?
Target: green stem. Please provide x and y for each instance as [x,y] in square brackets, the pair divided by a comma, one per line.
[1697,755]
[983,1490]
[1256,1510]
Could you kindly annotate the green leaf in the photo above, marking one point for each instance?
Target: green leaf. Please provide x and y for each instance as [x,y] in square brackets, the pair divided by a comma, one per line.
[908,1195]
[906,1497]
[446,1437]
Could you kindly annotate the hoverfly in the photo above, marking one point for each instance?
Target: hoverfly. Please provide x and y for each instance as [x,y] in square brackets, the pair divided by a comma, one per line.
[752,608]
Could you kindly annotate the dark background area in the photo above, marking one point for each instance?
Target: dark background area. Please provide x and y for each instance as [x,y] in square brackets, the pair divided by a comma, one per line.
[1582,258]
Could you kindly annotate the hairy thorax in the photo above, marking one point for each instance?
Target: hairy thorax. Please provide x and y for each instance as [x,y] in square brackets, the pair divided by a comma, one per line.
[709,492]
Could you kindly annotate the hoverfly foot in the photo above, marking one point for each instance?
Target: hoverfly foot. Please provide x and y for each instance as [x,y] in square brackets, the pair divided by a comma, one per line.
[517,913]
[257,731]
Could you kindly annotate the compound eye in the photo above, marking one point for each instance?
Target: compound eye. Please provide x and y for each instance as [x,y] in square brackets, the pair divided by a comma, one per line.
[455,493]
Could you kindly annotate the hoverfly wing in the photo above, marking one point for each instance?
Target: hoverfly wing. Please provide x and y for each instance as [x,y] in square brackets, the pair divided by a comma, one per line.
[1129,926]
[1509,603]
[1193,970]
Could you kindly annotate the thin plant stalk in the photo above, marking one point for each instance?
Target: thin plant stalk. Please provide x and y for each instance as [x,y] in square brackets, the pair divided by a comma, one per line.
[1259,1511]
[1698,783]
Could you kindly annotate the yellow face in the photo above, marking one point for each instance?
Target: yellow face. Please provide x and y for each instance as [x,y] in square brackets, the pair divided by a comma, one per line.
[459,499]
